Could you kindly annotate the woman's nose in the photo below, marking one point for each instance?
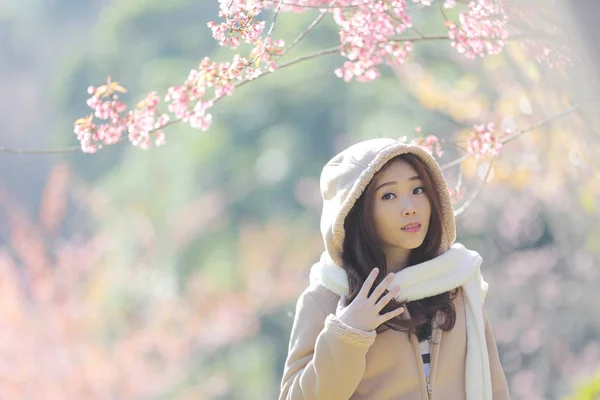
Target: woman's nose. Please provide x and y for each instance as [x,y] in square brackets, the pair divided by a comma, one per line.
[409,209]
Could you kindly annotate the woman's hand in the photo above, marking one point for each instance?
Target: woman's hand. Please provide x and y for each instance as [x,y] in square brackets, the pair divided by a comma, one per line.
[363,312]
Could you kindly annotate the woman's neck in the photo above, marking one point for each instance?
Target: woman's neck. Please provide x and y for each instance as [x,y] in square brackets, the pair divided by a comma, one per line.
[397,259]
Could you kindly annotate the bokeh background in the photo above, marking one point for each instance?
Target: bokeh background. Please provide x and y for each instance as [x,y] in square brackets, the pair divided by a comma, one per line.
[172,273]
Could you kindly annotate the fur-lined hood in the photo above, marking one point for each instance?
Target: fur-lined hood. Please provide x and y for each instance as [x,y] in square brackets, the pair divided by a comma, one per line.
[345,177]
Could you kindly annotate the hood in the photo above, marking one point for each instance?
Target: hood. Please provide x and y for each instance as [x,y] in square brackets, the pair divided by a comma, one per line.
[346,175]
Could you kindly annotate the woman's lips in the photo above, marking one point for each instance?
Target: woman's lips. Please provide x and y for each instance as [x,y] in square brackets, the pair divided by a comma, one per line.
[412,228]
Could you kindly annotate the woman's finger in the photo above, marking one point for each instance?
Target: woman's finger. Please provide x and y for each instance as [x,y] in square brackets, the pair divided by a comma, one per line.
[380,289]
[387,298]
[391,314]
[368,283]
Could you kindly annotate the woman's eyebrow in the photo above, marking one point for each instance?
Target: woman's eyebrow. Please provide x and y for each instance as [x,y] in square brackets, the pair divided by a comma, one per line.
[412,178]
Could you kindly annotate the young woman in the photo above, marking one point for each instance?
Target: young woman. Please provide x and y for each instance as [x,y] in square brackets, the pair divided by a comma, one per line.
[394,309]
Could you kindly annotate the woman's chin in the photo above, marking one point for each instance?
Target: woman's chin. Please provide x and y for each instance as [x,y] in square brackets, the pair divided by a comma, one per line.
[411,244]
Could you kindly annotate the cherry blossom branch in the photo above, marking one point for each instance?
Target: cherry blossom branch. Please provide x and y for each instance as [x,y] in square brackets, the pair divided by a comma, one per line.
[71,149]
[521,132]
[328,7]
[332,7]
[286,64]
[269,34]
[539,124]
[415,30]
[471,198]
[457,190]
[495,150]
[442,11]
[310,28]
[456,162]
[296,60]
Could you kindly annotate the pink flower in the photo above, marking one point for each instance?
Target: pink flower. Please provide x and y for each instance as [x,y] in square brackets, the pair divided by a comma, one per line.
[143,121]
[449,3]
[162,121]
[484,141]
[265,54]
[552,54]
[482,30]
[456,194]
[90,136]
[431,144]
[139,123]
[240,24]
[200,119]
[367,34]
[160,138]
[179,101]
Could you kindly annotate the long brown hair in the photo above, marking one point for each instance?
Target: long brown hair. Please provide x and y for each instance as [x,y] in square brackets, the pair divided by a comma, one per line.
[362,252]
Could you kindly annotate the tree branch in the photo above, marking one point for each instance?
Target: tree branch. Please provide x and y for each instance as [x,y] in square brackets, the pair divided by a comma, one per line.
[310,27]
[415,7]
[442,10]
[563,113]
[328,51]
[42,152]
[470,200]
[328,7]
[508,139]
[520,133]
[269,34]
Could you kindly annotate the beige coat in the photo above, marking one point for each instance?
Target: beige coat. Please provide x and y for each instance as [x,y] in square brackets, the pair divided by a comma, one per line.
[329,360]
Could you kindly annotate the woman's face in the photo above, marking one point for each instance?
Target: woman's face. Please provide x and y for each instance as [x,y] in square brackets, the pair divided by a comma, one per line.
[399,200]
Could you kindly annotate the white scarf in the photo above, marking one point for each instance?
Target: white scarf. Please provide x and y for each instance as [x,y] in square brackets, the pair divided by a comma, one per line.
[456,267]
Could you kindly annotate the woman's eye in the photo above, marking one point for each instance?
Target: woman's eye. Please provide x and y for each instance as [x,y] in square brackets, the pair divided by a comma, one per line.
[387,196]
[419,190]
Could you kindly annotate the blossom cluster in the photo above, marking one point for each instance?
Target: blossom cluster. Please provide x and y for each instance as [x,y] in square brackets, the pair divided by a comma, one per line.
[240,24]
[106,106]
[367,36]
[481,30]
[551,54]
[187,102]
[456,194]
[484,140]
[431,144]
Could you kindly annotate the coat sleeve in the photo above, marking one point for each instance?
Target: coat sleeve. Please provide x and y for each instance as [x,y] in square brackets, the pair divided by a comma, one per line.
[499,384]
[326,358]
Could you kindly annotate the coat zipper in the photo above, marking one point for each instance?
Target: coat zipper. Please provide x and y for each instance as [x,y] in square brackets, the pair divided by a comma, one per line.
[429,389]
[428,384]
[436,343]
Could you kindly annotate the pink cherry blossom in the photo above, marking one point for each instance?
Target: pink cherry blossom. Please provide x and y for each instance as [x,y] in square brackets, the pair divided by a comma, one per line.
[139,123]
[240,23]
[265,54]
[552,54]
[456,194]
[188,101]
[143,121]
[200,119]
[485,141]
[179,101]
[431,144]
[480,31]
[371,33]
[367,36]
[91,137]
[449,3]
